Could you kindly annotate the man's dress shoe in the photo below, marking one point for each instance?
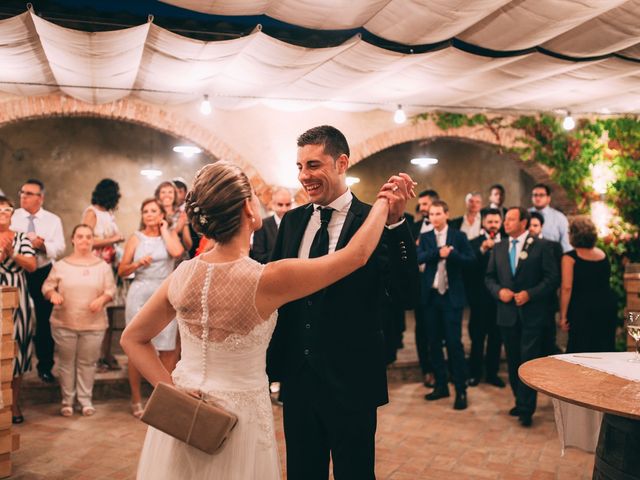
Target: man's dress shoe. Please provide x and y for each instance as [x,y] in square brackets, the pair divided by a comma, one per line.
[495,381]
[525,420]
[47,377]
[437,394]
[460,402]
[514,412]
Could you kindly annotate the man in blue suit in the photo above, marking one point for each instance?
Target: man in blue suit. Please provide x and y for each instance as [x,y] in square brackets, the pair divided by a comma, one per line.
[445,251]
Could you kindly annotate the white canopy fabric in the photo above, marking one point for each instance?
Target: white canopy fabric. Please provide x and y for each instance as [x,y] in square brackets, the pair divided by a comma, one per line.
[39,57]
[572,27]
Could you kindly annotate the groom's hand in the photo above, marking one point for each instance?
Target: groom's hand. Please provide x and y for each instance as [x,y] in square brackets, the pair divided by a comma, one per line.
[398,189]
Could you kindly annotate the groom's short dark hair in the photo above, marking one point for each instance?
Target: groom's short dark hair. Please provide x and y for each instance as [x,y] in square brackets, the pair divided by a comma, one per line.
[332,140]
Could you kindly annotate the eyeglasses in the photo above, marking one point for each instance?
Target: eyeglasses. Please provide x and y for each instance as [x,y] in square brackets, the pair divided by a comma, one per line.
[6,210]
[29,194]
[538,194]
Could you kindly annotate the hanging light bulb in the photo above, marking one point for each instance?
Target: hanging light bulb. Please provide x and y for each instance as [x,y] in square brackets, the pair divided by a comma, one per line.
[568,123]
[205,105]
[399,116]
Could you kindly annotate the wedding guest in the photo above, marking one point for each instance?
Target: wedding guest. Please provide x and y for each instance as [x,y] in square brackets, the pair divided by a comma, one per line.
[587,303]
[445,252]
[181,192]
[79,286]
[425,199]
[167,194]
[99,216]
[150,254]
[549,345]
[497,195]
[226,306]
[482,306]
[17,256]
[556,225]
[471,222]
[521,274]
[44,230]
[422,225]
[264,239]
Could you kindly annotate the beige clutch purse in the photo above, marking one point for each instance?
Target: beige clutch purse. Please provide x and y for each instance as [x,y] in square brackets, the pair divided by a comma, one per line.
[202,425]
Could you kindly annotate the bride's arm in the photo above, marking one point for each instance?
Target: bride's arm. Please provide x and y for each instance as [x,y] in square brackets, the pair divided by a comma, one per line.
[156,314]
[289,279]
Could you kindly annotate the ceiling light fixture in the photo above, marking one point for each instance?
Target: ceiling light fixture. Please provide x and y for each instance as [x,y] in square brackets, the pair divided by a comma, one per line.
[151,173]
[399,116]
[205,105]
[352,181]
[424,161]
[568,123]
[187,150]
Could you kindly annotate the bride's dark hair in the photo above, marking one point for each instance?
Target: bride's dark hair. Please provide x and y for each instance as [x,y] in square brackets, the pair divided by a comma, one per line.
[214,204]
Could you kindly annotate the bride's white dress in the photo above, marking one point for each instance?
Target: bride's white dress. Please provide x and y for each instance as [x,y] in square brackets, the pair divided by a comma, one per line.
[219,300]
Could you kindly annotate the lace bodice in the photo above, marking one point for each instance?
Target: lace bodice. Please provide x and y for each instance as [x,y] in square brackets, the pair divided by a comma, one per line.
[229,304]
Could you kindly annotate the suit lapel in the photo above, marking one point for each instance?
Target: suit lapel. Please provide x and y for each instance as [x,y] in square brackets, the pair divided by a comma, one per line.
[300,227]
[353,221]
[525,248]
[449,240]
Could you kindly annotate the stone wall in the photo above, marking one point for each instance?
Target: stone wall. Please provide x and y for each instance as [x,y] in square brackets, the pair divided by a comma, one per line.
[72,154]
[464,166]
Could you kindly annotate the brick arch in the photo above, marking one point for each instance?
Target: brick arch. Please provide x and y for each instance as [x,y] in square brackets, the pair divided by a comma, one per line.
[134,111]
[422,130]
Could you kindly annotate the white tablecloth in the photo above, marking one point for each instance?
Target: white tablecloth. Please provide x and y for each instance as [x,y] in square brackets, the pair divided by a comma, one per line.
[614,363]
[579,426]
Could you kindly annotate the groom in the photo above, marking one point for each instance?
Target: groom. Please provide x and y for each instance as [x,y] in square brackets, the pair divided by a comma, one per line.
[328,349]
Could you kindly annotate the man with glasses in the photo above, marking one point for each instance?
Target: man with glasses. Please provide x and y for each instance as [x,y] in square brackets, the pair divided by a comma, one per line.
[556,225]
[44,229]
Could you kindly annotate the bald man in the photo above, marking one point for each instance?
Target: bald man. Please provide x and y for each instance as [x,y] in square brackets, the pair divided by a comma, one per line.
[265,238]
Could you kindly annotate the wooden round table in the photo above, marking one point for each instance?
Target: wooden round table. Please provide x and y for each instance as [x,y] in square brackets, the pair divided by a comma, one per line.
[618,451]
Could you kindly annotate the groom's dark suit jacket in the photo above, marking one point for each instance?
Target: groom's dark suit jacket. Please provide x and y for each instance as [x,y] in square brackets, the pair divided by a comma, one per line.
[338,330]
[537,274]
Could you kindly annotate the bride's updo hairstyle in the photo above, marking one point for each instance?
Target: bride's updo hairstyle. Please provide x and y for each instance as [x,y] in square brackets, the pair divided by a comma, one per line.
[214,204]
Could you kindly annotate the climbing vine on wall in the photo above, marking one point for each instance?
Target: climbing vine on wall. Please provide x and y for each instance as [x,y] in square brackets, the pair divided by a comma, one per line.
[597,164]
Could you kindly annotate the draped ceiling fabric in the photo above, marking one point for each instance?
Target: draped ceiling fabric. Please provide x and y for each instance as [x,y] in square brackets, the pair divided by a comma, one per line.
[526,55]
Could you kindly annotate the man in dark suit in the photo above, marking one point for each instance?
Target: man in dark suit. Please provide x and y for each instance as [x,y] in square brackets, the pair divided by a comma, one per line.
[425,199]
[521,275]
[445,251]
[265,239]
[328,348]
[482,318]
[549,345]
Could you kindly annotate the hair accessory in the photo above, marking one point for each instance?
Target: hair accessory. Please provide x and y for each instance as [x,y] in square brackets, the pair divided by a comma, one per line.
[196,209]
[203,219]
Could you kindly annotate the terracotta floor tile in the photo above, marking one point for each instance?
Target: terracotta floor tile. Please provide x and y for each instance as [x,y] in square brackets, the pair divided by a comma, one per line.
[416,440]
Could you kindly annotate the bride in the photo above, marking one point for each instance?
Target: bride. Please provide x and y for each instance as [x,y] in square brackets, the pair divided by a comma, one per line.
[231,300]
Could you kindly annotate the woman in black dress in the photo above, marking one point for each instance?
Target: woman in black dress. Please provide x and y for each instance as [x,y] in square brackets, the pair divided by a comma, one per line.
[587,303]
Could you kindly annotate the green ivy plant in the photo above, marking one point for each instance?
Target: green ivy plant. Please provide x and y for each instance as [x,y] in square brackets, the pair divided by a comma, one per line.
[571,155]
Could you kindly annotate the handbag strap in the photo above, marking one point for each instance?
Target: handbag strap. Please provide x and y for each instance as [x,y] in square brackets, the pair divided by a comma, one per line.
[205,323]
